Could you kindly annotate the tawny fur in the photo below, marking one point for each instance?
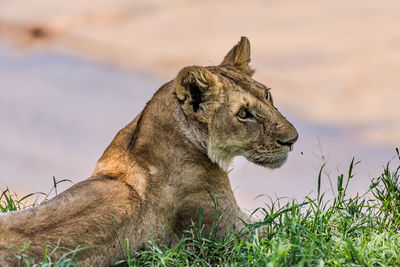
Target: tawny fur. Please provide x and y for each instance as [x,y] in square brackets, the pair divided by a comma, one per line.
[162,167]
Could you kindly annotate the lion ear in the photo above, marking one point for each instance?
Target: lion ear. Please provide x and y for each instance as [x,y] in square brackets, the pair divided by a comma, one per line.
[197,85]
[239,56]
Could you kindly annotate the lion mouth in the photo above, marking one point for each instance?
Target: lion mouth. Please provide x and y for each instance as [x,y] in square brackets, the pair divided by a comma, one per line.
[269,161]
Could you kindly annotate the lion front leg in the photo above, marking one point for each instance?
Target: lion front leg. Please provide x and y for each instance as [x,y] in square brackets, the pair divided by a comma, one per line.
[213,217]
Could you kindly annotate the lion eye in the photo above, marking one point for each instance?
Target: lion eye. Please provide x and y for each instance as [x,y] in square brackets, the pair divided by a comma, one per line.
[244,114]
[267,95]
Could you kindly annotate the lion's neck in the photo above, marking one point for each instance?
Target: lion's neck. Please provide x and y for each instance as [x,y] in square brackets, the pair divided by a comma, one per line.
[158,147]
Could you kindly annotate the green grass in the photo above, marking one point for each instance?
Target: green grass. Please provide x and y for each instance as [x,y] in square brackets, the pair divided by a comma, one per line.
[361,230]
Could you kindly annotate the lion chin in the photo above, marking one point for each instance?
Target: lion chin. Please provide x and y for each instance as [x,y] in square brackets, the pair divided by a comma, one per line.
[268,161]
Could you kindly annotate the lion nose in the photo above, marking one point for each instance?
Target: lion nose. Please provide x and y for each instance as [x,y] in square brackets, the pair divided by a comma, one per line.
[288,141]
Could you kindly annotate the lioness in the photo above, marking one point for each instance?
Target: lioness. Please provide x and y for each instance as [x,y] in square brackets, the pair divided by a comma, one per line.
[163,166]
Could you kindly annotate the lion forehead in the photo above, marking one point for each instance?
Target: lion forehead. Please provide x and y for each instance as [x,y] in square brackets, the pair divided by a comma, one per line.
[239,82]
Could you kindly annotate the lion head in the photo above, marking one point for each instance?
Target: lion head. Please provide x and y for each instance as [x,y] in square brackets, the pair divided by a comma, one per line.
[230,114]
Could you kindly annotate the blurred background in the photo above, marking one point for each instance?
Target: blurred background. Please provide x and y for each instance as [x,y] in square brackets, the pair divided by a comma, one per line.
[72,73]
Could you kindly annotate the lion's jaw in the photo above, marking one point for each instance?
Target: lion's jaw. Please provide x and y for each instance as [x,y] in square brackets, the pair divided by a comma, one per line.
[271,160]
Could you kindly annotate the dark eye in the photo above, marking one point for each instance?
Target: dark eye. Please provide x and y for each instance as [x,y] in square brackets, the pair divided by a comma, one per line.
[244,114]
[268,96]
